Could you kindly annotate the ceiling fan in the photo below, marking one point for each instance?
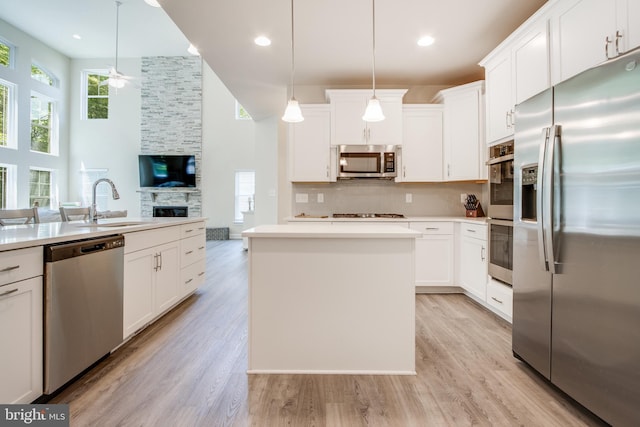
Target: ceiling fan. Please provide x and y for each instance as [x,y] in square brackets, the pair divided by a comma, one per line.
[117,79]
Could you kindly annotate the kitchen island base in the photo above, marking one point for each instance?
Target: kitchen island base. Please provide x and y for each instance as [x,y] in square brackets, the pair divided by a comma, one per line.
[340,302]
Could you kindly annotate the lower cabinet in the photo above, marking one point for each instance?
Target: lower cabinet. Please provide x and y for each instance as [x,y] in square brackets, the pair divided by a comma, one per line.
[473,259]
[21,337]
[434,255]
[500,298]
[161,267]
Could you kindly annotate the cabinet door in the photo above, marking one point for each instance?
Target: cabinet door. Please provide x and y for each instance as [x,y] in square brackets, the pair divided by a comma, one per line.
[167,277]
[434,260]
[473,260]
[310,146]
[499,99]
[580,29]
[21,337]
[628,23]
[389,130]
[422,144]
[139,276]
[530,62]
[462,136]
[346,119]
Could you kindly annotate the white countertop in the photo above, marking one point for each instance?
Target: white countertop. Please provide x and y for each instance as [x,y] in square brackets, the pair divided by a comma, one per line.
[481,220]
[23,236]
[322,231]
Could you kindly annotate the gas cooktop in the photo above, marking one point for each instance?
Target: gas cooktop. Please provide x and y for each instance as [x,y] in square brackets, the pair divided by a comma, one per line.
[367,215]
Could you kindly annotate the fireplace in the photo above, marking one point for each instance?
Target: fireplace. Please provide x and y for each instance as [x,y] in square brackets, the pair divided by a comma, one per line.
[169,211]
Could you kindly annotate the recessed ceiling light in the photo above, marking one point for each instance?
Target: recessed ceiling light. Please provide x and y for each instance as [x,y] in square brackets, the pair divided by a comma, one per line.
[426,41]
[153,3]
[77,36]
[262,41]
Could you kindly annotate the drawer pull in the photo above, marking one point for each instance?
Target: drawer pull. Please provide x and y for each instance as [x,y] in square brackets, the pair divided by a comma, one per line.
[432,228]
[8,292]
[471,231]
[201,248]
[188,252]
[188,281]
[188,231]
[201,274]
[497,300]
[13,267]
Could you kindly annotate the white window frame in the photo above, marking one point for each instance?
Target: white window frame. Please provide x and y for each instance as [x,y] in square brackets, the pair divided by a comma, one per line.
[240,205]
[12,53]
[53,130]
[55,82]
[84,93]
[11,186]
[11,116]
[53,186]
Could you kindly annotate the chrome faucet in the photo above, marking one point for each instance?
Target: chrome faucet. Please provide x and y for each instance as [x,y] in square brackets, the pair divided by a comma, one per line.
[93,212]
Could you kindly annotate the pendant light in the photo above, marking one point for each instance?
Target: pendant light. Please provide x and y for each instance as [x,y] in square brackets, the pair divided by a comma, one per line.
[292,114]
[116,78]
[373,113]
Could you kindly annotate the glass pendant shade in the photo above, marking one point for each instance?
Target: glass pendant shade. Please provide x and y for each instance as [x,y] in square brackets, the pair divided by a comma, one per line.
[373,113]
[293,113]
[116,82]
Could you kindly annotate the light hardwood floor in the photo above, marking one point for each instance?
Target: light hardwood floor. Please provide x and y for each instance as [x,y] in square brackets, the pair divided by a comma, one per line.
[188,369]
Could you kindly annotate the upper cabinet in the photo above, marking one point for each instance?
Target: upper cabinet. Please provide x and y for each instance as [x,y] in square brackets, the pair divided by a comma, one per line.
[347,108]
[421,153]
[588,32]
[310,153]
[464,146]
[515,71]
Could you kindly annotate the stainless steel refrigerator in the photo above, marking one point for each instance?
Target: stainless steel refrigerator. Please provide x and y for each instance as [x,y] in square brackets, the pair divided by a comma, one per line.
[576,253]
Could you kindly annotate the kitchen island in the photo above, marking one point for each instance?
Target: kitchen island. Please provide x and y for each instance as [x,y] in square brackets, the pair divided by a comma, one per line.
[331,299]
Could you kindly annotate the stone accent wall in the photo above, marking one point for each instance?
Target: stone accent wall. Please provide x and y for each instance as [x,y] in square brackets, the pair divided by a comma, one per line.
[171,121]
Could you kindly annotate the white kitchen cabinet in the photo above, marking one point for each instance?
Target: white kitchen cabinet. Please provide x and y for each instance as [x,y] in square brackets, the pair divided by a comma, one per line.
[421,153]
[21,329]
[151,275]
[347,109]
[500,298]
[587,32]
[192,257]
[464,148]
[473,259]
[515,71]
[433,255]
[310,146]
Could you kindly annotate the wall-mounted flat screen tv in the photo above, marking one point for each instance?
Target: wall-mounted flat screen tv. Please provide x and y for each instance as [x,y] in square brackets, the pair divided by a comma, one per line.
[167,171]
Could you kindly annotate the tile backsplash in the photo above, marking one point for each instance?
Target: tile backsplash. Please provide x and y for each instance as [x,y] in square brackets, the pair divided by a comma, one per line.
[380,196]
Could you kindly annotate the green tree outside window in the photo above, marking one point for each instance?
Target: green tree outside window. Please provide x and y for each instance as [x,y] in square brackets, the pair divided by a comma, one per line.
[97,96]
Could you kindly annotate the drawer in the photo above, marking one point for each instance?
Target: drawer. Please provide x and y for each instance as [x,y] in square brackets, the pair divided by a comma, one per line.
[149,238]
[500,297]
[20,264]
[193,276]
[192,249]
[432,227]
[193,229]
[477,231]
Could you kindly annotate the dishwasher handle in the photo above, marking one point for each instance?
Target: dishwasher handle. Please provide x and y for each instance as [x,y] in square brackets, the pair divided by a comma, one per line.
[93,248]
[62,251]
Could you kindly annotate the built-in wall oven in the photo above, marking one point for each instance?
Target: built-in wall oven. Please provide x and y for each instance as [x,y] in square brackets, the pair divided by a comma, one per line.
[500,211]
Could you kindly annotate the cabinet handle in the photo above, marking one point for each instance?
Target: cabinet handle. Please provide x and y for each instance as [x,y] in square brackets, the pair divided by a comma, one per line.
[497,300]
[470,230]
[618,37]
[607,42]
[188,281]
[432,228]
[327,171]
[201,274]
[188,252]
[13,267]
[155,262]
[201,248]
[364,134]
[188,231]
[482,253]
[449,170]
[506,119]
[8,292]
[404,171]
[160,259]
[513,118]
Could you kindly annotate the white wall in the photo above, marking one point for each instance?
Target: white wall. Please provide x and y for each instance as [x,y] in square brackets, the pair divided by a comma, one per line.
[113,143]
[29,49]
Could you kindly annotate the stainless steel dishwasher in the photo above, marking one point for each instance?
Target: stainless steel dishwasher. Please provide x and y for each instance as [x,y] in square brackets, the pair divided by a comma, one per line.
[83,306]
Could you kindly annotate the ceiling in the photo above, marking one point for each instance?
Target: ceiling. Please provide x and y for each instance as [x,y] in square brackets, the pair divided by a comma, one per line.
[333,39]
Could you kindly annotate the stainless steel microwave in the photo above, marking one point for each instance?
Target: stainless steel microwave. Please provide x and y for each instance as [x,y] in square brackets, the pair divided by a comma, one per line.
[367,161]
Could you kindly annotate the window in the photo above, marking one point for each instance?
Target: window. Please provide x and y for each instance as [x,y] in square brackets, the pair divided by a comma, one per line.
[43,76]
[103,191]
[96,94]
[8,194]
[245,193]
[241,113]
[3,187]
[6,54]
[7,114]
[40,188]
[42,129]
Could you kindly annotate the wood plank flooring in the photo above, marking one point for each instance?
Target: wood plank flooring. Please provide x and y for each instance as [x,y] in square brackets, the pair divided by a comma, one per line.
[189,369]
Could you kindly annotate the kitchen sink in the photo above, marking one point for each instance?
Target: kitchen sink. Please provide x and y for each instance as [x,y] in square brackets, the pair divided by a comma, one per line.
[112,224]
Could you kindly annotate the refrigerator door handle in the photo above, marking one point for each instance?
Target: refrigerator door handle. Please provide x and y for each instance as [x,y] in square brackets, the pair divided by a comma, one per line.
[540,199]
[548,209]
